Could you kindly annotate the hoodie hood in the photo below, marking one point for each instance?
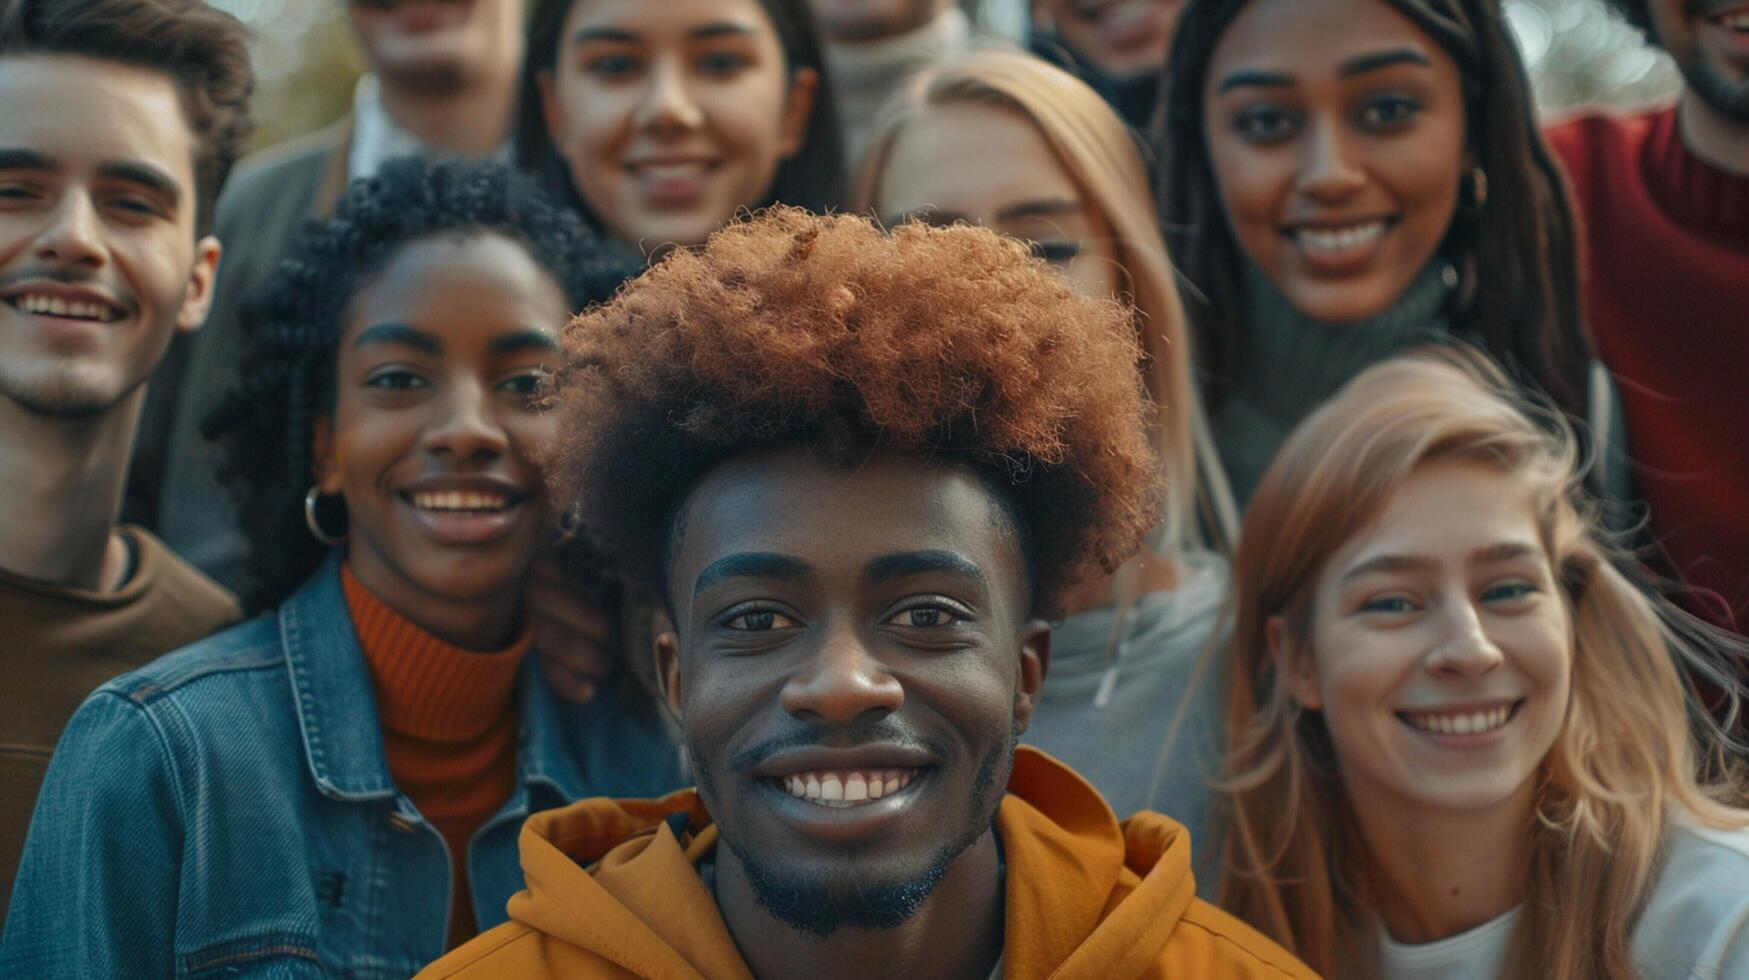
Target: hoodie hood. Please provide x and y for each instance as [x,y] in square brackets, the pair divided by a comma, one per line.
[615,884]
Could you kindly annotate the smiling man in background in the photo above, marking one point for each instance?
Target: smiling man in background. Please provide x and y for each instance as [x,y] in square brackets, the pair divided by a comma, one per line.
[1116,46]
[1664,201]
[874,46]
[859,469]
[118,123]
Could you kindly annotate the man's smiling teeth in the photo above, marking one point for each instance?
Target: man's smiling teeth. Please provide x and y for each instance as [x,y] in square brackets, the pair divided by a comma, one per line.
[1735,21]
[1338,240]
[459,500]
[55,306]
[841,788]
[1473,723]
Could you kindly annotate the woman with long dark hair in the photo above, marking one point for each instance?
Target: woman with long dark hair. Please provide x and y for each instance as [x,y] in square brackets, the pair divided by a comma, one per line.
[1348,178]
[658,121]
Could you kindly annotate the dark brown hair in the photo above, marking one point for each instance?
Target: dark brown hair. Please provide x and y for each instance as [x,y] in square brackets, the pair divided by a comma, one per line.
[1517,254]
[815,178]
[791,329]
[203,50]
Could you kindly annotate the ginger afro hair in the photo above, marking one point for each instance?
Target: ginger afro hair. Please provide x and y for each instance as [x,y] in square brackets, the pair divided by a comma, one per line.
[789,328]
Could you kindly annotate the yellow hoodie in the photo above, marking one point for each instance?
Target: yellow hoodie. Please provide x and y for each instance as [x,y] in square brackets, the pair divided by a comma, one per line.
[1087,898]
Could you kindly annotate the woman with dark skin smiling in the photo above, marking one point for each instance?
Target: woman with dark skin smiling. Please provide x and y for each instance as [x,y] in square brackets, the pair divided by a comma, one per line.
[1348,178]
[340,785]
[658,121]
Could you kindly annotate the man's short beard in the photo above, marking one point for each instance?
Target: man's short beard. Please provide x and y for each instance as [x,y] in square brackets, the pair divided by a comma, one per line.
[62,398]
[432,82]
[1726,97]
[819,908]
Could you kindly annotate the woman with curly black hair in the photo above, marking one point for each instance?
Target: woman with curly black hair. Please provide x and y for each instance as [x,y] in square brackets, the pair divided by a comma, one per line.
[343,783]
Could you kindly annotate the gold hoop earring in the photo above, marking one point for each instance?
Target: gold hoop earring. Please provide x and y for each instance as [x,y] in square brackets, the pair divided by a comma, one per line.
[315,525]
[1477,192]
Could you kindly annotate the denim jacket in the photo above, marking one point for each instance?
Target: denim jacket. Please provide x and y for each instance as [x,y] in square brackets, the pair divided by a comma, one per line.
[227,811]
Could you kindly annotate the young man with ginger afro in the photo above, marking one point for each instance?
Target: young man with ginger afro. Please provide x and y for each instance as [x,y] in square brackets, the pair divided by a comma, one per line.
[857,468]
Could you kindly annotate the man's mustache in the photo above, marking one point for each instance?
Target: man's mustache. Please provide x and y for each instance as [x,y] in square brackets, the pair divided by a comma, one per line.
[817,735]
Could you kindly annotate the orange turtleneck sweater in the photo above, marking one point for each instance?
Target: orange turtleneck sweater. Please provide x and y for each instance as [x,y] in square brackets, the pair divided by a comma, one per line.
[449,728]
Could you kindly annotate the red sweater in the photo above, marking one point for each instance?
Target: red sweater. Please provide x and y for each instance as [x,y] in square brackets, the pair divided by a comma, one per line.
[449,728]
[1667,290]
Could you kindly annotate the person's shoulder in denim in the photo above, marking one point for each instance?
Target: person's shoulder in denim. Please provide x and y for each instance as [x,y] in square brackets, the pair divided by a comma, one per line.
[227,810]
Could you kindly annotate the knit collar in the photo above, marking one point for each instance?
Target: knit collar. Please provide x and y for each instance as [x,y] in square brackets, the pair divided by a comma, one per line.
[1702,198]
[1292,363]
[871,62]
[427,688]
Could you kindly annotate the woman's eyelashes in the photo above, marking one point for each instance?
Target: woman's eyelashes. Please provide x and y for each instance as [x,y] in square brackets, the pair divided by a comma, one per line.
[395,379]
[1387,112]
[1060,252]
[1505,595]
[1264,124]
[618,67]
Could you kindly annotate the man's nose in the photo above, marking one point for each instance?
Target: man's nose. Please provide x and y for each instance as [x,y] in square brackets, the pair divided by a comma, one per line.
[841,682]
[73,234]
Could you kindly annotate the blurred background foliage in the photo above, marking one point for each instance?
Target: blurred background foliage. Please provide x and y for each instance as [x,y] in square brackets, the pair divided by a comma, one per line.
[1579,54]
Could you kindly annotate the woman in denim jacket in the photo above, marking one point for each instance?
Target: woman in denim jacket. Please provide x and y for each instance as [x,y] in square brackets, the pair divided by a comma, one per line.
[338,788]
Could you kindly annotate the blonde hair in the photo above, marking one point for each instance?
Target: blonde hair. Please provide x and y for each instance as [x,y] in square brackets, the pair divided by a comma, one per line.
[1102,157]
[1636,747]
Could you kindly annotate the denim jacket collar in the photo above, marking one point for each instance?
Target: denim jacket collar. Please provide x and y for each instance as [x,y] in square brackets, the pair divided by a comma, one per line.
[337,714]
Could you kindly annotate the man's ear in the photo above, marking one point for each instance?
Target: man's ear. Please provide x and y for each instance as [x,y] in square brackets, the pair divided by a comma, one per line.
[668,670]
[197,297]
[324,463]
[804,88]
[1295,664]
[1035,663]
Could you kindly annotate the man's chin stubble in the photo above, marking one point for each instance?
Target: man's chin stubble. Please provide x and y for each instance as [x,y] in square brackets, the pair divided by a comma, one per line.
[819,909]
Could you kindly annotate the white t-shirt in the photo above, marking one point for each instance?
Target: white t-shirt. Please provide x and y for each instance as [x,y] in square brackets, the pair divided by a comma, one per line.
[1695,926]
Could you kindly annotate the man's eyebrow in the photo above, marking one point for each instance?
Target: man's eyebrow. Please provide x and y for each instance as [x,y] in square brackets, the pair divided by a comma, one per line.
[903,563]
[1381,59]
[145,175]
[18,158]
[1262,79]
[522,340]
[398,333]
[1048,207]
[751,564]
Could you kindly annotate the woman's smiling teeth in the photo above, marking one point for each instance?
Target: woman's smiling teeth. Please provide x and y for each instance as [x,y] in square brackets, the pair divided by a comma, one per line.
[460,500]
[1466,723]
[842,788]
[1339,241]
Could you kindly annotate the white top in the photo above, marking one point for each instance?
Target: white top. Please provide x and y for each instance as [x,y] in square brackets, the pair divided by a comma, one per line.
[377,138]
[1695,926]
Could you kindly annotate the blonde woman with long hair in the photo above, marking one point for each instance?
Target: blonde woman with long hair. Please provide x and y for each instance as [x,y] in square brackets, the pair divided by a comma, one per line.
[1465,744]
[1007,141]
